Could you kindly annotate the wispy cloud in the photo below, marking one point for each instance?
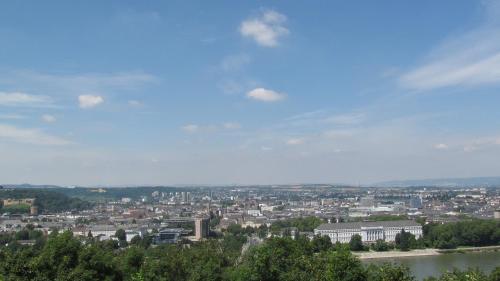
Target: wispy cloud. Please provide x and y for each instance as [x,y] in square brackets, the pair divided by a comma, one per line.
[190,128]
[481,143]
[266,29]
[75,84]
[210,128]
[295,141]
[235,62]
[236,85]
[12,116]
[322,118]
[232,125]
[47,118]
[441,146]
[470,59]
[19,99]
[89,101]
[265,95]
[340,133]
[345,119]
[135,103]
[29,136]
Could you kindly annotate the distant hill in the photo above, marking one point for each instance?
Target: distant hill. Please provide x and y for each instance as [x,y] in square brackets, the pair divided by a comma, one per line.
[445,182]
[27,185]
[47,200]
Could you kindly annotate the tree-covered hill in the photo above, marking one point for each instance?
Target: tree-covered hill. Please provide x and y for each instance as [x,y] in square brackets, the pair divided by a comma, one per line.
[47,201]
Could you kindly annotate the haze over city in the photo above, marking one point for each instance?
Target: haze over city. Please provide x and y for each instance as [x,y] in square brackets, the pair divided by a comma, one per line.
[248,92]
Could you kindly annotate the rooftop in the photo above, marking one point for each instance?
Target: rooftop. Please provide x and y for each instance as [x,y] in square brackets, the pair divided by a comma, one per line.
[359,225]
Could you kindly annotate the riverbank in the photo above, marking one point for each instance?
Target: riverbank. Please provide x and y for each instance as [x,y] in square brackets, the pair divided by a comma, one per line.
[422,252]
[470,249]
[396,254]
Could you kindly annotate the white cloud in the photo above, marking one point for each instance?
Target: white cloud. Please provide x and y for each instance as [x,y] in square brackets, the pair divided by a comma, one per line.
[265,29]
[23,99]
[266,148]
[295,141]
[441,146]
[30,136]
[49,118]
[470,59]
[191,128]
[265,95]
[231,125]
[88,101]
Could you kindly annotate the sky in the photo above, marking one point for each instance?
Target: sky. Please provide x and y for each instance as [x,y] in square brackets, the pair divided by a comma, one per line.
[248,92]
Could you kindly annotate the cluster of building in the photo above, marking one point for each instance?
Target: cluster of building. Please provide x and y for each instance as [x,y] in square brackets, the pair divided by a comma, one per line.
[171,215]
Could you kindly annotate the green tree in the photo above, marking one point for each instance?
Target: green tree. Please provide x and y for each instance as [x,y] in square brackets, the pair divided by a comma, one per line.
[58,258]
[457,275]
[121,235]
[380,246]
[405,240]
[388,272]
[356,244]
[136,240]
[321,243]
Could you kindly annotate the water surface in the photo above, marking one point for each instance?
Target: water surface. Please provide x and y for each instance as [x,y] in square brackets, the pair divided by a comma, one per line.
[425,266]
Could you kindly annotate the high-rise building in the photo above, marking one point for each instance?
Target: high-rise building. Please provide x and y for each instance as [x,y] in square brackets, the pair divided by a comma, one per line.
[416,202]
[33,210]
[201,228]
[496,214]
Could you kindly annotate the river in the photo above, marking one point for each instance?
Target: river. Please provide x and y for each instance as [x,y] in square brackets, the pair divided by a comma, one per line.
[426,266]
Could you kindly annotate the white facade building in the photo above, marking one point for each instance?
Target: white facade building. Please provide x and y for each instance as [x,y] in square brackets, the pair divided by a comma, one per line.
[369,231]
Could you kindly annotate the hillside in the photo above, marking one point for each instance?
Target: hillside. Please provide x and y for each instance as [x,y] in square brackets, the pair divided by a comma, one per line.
[46,200]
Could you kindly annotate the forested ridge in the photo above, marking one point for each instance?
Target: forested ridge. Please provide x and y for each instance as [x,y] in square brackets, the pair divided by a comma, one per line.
[46,200]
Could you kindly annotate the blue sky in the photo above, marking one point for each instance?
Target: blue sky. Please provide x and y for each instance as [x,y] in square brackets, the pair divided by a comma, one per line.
[248,92]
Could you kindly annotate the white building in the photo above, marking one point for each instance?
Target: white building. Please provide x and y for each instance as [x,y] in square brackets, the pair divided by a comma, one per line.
[369,231]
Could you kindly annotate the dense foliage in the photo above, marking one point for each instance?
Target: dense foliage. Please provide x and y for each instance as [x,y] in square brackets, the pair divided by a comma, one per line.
[46,200]
[381,246]
[406,241]
[356,243]
[63,257]
[464,233]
